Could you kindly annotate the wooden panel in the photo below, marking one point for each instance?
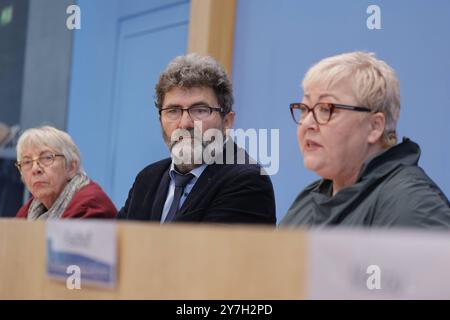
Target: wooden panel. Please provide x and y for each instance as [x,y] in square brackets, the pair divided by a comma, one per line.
[166,262]
[211,29]
[22,259]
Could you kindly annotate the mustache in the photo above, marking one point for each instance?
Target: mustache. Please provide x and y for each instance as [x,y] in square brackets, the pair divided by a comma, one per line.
[197,137]
[179,136]
[182,135]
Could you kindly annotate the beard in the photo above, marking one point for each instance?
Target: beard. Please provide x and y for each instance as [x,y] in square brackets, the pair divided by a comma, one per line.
[187,148]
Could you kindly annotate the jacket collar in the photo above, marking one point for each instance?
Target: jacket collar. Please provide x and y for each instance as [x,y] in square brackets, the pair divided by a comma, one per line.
[406,153]
[208,176]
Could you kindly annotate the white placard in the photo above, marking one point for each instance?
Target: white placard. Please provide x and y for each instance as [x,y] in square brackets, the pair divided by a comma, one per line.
[378,264]
[82,252]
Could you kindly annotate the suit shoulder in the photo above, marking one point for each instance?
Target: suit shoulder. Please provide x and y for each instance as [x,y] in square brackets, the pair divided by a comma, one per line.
[153,168]
[246,167]
[243,170]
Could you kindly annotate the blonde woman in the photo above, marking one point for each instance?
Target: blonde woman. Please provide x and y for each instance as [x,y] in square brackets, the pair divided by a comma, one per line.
[346,130]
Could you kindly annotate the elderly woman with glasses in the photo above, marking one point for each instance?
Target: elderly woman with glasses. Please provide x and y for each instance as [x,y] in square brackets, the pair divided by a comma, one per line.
[346,129]
[51,169]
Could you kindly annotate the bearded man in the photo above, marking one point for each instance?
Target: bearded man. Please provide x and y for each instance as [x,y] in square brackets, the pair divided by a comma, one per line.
[207,178]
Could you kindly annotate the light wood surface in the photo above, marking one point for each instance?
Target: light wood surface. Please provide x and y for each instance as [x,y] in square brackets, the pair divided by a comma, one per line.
[166,262]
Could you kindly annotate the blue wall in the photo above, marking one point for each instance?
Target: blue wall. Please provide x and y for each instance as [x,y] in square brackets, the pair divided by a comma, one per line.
[276,41]
[118,53]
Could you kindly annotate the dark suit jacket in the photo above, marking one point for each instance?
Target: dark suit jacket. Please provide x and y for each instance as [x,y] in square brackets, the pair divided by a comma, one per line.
[224,193]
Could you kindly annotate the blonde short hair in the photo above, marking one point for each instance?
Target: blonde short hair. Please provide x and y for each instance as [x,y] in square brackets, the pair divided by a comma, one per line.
[374,84]
[57,140]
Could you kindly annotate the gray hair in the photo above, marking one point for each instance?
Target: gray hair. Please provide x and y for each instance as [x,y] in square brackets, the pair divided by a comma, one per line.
[57,140]
[194,70]
[374,84]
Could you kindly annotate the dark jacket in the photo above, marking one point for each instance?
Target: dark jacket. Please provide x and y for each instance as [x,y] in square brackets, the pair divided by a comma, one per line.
[224,193]
[90,202]
[391,190]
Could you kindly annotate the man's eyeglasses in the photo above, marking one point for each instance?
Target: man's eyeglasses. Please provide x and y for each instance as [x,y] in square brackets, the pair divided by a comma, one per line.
[46,159]
[200,112]
[321,111]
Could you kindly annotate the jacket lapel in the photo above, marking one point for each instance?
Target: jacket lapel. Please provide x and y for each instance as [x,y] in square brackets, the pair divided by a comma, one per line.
[204,181]
[202,184]
[160,197]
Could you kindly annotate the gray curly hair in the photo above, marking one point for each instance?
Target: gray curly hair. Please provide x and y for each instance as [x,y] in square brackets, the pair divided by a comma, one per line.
[194,70]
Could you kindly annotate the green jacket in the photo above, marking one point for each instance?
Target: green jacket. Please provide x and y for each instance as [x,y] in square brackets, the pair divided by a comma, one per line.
[391,191]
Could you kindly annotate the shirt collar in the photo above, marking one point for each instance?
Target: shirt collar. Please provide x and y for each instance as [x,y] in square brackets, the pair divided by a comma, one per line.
[196,171]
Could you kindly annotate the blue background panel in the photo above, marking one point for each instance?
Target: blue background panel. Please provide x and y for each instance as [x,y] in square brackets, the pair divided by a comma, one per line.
[276,41]
[117,57]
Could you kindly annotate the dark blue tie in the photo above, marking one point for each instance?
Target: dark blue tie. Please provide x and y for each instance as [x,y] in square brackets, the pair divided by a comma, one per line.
[181,180]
